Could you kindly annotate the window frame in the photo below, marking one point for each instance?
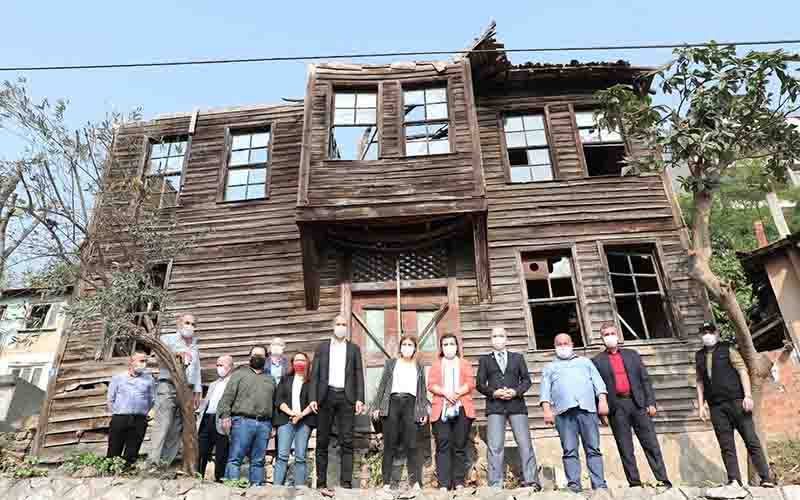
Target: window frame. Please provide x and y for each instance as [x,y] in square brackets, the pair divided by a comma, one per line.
[430,83]
[350,87]
[586,107]
[569,249]
[222,177]
[506,162]
[149,141]
[665,283]
[31,368]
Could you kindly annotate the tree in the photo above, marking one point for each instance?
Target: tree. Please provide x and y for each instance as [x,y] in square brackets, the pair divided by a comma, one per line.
[12,211]
[727,109]
[99,228]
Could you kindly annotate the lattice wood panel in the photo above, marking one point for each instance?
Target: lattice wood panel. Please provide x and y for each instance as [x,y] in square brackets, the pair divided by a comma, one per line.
[426,263]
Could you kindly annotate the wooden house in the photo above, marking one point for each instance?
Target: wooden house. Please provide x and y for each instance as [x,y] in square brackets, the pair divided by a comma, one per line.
[423,197]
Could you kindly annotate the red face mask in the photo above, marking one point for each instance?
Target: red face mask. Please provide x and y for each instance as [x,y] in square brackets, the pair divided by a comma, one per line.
[299,367]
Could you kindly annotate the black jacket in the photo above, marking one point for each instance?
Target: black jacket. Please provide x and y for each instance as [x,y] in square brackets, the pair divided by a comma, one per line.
[353,374]
[641,387]
[284,395]
[384,393]
[516,377]
[724,384]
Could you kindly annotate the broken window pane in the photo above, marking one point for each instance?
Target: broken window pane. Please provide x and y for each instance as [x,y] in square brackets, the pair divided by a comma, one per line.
[604,159]
[354,135]
[415,113]
[354,143]
[172,187]
[537,289]
[427,139]
[643,264]
[647,284]
[655,314]
[628,309]
[622,284]
[618,263]
[526,143]
[550,320]
[518,157]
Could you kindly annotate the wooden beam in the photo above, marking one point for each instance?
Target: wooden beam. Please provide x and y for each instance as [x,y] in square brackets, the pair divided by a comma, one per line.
[481,243]
[311,261]
[193,121]
[305,147]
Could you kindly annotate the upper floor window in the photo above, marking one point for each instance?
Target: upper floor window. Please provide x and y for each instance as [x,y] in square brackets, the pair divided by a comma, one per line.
[248,165]
[165,165]
[603,149]
[354,134]
[426,121]
[638,291]
[528,152]
[551,294]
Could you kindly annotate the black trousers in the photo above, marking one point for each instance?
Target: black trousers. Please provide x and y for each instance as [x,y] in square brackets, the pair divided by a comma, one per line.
[210,441]
[727,417]
[451,450]
[626,419]
[400,428]
[335,407]
[125,436]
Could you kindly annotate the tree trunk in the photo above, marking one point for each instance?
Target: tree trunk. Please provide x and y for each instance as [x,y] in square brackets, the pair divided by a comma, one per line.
[758,365]
[184,394]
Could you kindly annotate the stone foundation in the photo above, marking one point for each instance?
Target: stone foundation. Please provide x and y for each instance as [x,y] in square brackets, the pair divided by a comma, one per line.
[191,489]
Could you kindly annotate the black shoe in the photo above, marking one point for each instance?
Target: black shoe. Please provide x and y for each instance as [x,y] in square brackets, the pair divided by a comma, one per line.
[665,484]
[767,484]
[634,485]
[348,486]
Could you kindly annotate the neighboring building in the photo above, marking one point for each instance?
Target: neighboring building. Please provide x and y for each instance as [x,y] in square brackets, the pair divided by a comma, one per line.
[479,189]
[31,324]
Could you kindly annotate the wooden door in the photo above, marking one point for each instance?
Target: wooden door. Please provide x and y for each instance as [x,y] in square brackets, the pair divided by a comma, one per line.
[377,331]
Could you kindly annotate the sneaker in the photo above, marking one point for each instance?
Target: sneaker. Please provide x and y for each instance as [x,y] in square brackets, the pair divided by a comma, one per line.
[387,487]
[416,487]
[326,492]
[442,489]
[459,487]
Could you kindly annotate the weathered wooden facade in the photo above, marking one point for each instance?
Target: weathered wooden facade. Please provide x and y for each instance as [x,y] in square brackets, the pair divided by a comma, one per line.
[474,192]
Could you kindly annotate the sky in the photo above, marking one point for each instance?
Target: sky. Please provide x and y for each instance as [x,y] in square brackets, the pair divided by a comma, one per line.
[56,33]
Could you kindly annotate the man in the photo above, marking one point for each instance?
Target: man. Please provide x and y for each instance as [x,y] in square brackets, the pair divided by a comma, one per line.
[278,365]
[336,392]
[723,381]
[211,439]
[631,405]
[130,397]
[504,379]
[572,396]
[246,413]
[166,438]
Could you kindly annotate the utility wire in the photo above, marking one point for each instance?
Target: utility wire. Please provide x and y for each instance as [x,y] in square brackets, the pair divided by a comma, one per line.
[387,54]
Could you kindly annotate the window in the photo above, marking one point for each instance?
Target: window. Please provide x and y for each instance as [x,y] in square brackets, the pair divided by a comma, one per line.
[142,309]
[29,373]
[553,303]
[37,316]
[603,149]
[165,168]
[354,134]
[248,163]
[426,121]
[638,292]
[528,153]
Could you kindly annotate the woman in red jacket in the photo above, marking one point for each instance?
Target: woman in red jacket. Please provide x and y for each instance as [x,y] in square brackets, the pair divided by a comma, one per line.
[451,381]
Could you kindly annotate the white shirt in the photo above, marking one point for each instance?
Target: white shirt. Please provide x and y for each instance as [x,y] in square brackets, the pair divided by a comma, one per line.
[504,355]
[337,361]
[451,375]
[297,386]
[216,395]
[404,378]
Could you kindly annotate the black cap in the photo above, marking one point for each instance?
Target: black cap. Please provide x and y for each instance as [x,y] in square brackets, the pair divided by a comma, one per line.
[708,326]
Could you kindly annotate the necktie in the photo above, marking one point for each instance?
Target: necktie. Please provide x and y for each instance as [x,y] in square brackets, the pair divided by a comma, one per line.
[501,360]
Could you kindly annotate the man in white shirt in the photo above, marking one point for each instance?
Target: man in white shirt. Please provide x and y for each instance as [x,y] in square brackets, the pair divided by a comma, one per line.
[210,435]
[336,392]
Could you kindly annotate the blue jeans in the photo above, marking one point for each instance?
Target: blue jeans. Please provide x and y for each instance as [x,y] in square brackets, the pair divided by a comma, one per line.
[298,435]
[248,437]
[570,425]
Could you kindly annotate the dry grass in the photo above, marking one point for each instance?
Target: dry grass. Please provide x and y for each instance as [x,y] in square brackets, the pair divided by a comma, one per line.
[785,458]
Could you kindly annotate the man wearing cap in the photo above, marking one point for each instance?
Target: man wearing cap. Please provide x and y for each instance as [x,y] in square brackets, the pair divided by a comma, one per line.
[631,406]
[723,382]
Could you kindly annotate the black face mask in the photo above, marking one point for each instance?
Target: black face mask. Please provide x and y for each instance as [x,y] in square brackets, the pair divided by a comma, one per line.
[257,362]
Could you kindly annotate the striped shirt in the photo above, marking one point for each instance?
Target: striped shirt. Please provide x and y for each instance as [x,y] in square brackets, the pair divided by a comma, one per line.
[129,395]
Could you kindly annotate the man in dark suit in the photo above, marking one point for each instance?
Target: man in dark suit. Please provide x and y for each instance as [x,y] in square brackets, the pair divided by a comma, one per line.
[631,404]
[504,379]
[336,392]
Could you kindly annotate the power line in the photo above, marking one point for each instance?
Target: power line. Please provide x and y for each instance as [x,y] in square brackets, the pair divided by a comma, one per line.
[198,62]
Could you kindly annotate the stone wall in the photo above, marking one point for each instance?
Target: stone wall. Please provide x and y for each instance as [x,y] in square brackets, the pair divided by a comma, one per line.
[192,489]
[781,404]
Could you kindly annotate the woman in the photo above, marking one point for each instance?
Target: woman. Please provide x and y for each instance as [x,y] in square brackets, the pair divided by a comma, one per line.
[294,420]
[402,400]
[451,382]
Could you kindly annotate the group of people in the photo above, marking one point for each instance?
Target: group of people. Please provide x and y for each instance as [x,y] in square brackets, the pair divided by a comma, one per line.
[298,394]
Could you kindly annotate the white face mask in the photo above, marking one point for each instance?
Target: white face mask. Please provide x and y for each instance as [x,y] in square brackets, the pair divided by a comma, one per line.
[140,368]
[186,331]
[222,371]
[611,341]
[564,351]
[499,342]
[340,331]
[710,339]
[276,350]
[407,351]
[450,351]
